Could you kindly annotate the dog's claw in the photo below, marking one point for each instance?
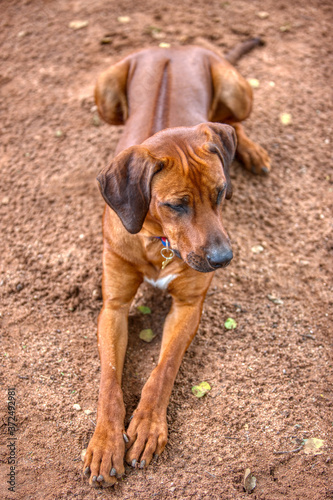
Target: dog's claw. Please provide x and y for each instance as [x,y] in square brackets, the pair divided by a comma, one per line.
[94,479]
[133,463]
[265,170]
[125,438]
[113,472]
[86,471]
[100,478]
[142,464]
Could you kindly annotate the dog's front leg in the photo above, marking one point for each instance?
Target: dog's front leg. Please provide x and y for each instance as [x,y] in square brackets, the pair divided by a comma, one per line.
[148,428]
[104,458]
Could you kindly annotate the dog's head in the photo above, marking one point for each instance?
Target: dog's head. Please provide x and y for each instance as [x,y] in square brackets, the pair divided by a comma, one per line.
[181,176]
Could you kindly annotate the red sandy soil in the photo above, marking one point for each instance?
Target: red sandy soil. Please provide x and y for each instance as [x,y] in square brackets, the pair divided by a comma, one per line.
[271,377]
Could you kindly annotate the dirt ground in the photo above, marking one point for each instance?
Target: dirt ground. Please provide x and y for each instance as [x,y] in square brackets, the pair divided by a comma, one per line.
[271,377]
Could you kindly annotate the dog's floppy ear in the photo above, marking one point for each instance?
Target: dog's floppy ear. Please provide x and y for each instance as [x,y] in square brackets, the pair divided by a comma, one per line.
[125,185]
[223,142]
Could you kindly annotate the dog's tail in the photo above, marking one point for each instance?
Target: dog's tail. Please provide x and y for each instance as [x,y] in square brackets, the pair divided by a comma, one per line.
[243,48]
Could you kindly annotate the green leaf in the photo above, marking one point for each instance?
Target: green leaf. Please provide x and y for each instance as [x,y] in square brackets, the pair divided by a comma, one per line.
[230,324]
[201,389]
[144,309]
[147,335]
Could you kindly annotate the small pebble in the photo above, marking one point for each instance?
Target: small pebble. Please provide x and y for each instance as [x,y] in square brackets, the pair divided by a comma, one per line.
[262,14]
[257,249]
[76,407]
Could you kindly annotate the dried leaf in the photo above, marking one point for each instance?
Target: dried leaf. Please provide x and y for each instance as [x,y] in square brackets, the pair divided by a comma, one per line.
[312,445]
[124,19]
[249,481]
[106,39]
[230,324]
[201,389]
[274,299]
[254,83]
[157,35]
[286,118]
[83,454]
[147,335]
[144,309]
[77,25]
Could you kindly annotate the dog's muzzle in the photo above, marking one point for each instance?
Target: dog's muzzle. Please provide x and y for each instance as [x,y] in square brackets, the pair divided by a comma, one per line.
[210,263]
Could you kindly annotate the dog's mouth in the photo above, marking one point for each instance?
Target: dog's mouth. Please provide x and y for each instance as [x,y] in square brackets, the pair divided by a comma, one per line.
[202,265]
[198,263]
[177,254]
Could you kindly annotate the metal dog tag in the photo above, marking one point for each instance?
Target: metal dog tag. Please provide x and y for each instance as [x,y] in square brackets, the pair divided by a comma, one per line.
[167,254]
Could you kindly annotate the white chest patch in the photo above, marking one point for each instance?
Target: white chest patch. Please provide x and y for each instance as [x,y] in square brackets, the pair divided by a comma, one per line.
[161,283]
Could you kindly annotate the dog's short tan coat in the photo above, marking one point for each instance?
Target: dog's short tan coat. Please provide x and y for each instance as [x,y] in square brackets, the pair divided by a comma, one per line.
[182,109]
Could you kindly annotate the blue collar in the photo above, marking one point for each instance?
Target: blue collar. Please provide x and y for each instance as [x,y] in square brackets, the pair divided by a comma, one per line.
[163,240]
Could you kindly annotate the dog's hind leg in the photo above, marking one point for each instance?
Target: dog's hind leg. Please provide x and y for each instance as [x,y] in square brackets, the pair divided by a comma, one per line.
[232,103]
[254,157]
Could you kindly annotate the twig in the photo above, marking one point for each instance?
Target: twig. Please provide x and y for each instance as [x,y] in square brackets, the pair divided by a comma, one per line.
[211,474]
[289,451]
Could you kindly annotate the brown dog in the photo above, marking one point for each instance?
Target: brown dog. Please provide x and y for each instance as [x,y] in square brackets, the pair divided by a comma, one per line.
[168,187]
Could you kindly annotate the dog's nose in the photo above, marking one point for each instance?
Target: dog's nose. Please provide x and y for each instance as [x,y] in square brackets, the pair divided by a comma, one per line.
[220,258]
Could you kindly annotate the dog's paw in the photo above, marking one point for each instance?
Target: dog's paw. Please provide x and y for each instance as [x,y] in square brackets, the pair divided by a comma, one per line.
[104,459]
[148,435]
[254,157]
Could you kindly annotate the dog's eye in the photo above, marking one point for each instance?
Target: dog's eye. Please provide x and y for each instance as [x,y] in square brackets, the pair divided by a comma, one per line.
[179,208]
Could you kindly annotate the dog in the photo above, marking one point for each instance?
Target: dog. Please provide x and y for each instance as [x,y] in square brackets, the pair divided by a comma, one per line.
[162,223]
